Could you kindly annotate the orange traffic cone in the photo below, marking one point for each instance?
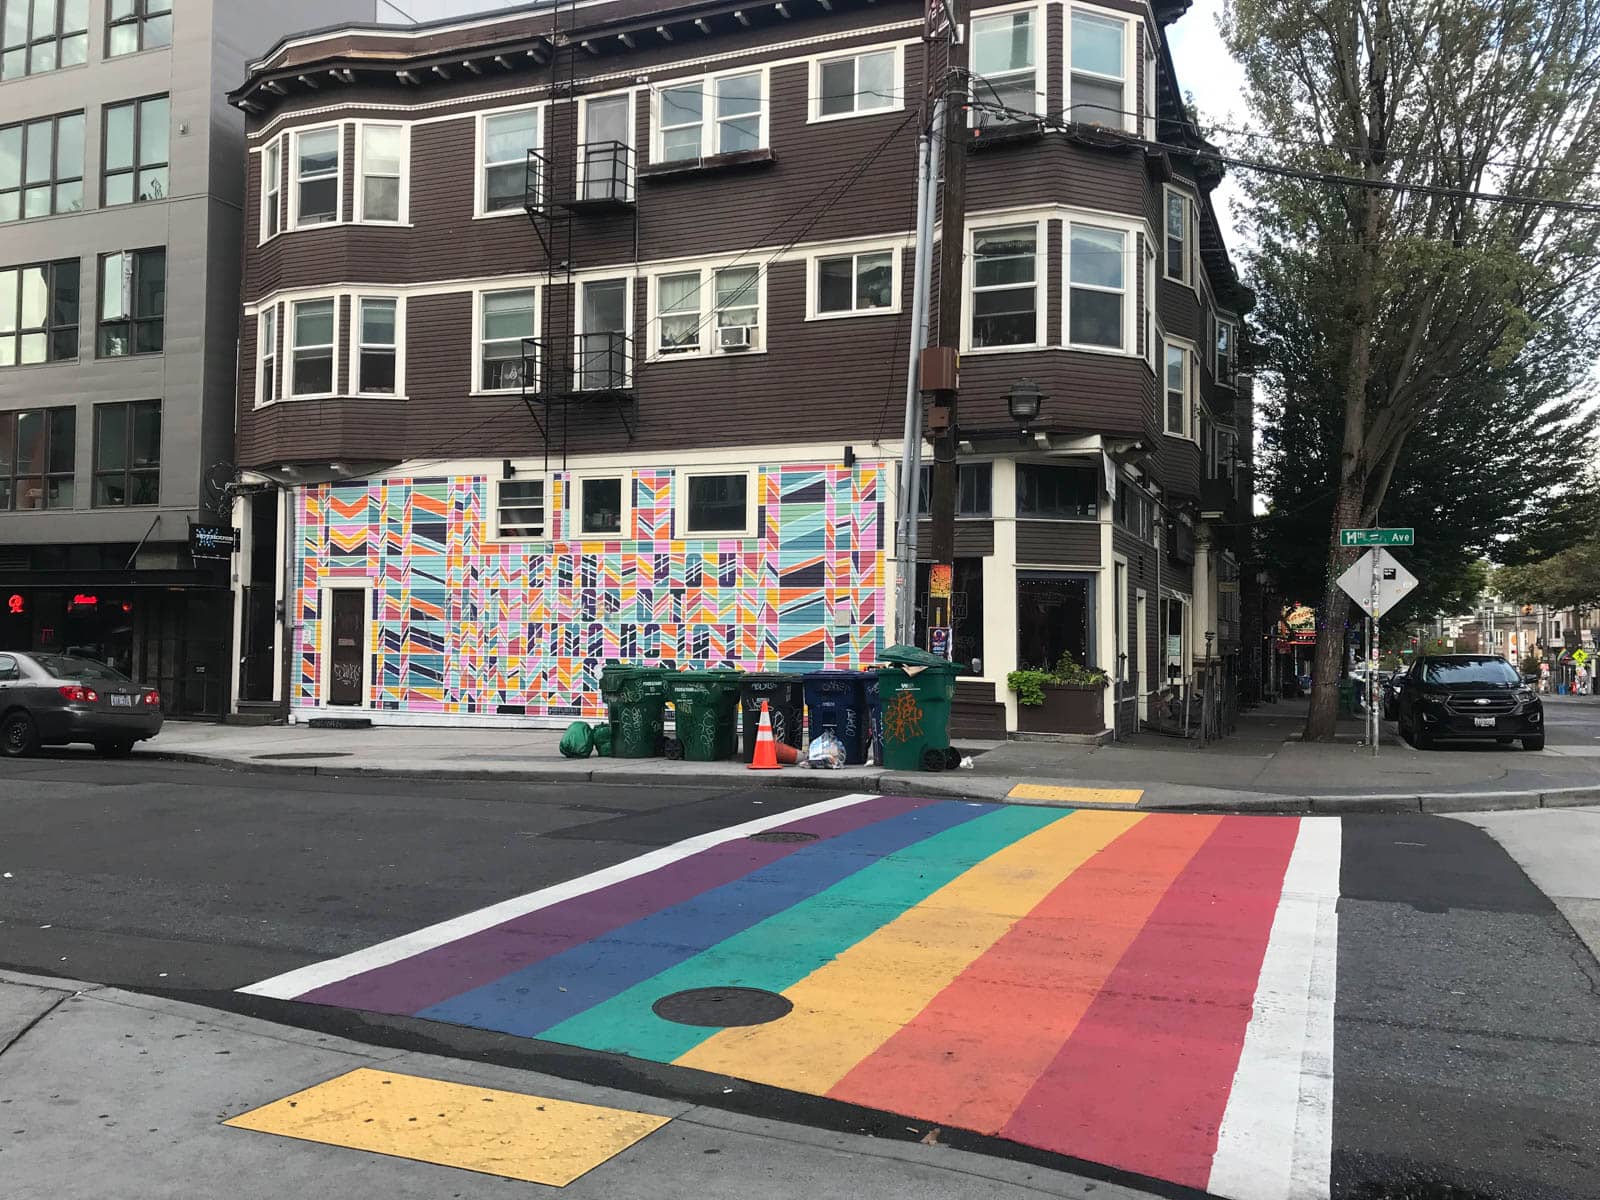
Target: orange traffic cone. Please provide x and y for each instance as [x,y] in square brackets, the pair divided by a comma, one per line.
[787,754]
[766,756]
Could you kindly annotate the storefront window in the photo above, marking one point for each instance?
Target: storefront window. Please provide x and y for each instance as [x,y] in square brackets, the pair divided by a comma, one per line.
[1055,616]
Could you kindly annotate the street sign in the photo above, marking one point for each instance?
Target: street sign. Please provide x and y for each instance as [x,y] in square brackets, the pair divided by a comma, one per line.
[1580,657]
[1393,582]
[1377,537]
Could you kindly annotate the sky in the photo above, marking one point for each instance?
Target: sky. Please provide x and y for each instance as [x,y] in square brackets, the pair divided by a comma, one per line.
[1208,73]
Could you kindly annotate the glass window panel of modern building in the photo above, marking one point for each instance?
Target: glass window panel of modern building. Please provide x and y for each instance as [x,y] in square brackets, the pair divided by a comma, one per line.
[41,167]
[36,458]
[127,454]
[133,302]
[39,313]
[135,148]
[42,35]
[134,25]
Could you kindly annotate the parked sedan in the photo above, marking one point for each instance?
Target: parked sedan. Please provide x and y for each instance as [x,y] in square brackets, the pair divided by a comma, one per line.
[1392,688]
[1468,697]
[53,699]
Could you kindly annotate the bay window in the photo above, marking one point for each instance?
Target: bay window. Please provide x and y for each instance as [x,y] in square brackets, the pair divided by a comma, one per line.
[313,330]
[382,173]
[1005,56]
[267,355]
[1098,84]
[318,155]
[1097,286]
[1005,293]
[271,189]
[376,346]
[1179,390]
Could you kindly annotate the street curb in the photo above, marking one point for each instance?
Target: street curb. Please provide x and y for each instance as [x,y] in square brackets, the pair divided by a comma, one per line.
[950,786]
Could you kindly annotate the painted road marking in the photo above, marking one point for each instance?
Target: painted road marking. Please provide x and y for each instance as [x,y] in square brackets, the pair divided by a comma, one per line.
[532,1138]
[298,982]
[1152,991]
[1127,797]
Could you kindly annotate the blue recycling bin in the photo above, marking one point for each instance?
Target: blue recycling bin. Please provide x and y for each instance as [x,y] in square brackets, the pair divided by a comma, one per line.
[843,702]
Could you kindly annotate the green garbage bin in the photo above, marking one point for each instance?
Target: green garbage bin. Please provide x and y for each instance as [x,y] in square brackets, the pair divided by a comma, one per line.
[636,700]
[1352,697]
[915,689]
[705,707]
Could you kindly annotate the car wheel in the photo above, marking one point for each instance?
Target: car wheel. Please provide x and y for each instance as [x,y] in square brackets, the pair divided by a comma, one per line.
[18,736]
[1533,743]
[113,749]
[1405,731]
[1421,738]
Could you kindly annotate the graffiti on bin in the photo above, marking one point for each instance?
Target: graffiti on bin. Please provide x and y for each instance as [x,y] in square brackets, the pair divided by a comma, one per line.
[902,718]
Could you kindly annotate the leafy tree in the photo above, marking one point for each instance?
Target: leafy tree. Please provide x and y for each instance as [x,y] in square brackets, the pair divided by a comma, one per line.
[1401,299]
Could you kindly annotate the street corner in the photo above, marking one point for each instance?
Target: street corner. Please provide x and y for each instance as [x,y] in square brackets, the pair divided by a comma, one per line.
[856,950]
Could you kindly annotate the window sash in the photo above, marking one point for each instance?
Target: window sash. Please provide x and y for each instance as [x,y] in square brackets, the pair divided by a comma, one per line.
[1014,85]
[390,165]
[858,289]
[311,359]
[1093,78]
[1096,270]
[128,480]
[267,345]
[703,117]
[47,163]
[500,354]
[377,360]
[135,323]
[1176,417]
[505,171]
[1226,334]
[706,511]
[326,212]
[134,25]
[1004,299]
[1058,492]
[974,490]
[678,322]
[48,439]
[40,309]
[602,519]
[871,77]
[271,188]
[31,46]
[520,511]
[1177,239]
[137,171]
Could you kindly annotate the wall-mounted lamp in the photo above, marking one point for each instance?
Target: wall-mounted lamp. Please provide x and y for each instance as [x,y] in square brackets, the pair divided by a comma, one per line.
[1023,401]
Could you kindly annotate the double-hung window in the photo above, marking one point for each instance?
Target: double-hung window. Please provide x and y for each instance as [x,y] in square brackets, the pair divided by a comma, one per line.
[738,301]
[505,319]
[271,189]
[312,325]
[382,163]
[678,313]
[37,454]
[853,85]
[1005,57]
[1149,349]
[1179,391]
[507,138]
[519,509]
[720,114]
[377,345]
[1179,235]
[1097,290]
[1098,84]
[41,35]
[1005,291]
[41,167]
[135,141]
[1227,352]
[127,454]
[133,25]
[39,313]
[318,154]
[730,295]
[847,284]
[133,302]
[267,355]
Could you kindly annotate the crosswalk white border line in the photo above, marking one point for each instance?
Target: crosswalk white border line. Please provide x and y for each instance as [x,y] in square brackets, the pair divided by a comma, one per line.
[306,979]
[1276,1137]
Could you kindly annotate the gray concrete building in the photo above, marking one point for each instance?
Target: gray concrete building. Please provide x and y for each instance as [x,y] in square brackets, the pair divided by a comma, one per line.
[121,192]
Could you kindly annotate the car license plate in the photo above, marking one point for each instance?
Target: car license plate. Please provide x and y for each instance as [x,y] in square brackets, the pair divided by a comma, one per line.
[127,702]
[1484,722]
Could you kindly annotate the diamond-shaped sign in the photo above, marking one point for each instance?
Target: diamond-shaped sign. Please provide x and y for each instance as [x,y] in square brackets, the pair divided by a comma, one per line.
[1394,582]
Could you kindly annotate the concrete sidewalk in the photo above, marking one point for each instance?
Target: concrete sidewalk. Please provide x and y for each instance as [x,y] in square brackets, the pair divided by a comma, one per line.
[1262,767]
[111,1095]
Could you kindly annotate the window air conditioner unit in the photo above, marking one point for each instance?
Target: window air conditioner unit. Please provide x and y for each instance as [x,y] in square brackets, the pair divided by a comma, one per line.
[734,337]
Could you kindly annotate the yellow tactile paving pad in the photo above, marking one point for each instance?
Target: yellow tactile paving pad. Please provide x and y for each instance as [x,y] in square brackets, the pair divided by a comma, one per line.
[532,1138]
[1126,797]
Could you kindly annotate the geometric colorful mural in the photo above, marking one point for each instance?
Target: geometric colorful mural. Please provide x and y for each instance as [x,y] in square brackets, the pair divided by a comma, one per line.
[465,625]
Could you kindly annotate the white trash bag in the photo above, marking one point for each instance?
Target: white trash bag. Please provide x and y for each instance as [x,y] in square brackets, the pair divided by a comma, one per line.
[825,751]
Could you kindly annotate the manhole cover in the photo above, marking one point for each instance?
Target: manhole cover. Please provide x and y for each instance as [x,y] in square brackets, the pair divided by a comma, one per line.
[718,1007]
[306,754]
[783,835]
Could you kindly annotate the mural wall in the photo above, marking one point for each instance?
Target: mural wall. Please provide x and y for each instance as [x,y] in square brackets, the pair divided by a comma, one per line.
[463,625]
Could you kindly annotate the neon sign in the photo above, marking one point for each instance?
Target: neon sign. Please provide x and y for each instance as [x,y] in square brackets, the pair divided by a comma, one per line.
[16,604]
[82,600]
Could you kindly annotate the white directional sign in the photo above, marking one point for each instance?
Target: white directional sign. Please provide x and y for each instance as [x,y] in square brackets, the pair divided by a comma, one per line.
[1394,582]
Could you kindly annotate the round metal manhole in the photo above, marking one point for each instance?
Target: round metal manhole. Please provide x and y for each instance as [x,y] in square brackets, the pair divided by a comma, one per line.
[783,835]
[305,754]
[720,1007]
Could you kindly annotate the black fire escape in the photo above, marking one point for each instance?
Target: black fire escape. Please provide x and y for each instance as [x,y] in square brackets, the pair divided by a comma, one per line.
[578,191]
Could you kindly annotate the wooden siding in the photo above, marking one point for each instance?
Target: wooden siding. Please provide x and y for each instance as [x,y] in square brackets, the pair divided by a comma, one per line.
[1063,543]
[974,539]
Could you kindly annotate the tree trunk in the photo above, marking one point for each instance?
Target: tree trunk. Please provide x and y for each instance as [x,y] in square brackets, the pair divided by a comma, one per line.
[1328,662]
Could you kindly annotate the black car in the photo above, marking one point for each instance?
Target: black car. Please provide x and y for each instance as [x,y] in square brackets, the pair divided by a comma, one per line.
[1392,687]
[1468,697]
[53,699]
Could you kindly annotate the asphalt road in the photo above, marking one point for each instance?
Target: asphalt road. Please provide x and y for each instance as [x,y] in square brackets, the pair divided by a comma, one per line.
[1467,1020]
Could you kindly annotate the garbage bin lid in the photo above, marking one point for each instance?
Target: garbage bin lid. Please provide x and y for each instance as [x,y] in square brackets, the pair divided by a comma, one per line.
[913,656]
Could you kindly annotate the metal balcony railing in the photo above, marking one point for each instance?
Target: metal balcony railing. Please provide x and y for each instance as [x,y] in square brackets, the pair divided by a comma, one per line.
[603,178]
[585,364]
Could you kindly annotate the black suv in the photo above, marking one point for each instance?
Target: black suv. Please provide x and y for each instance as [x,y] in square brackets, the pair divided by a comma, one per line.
[1468,697]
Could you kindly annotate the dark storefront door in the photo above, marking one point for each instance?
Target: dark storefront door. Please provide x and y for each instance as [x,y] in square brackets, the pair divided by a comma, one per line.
[348,649]
[1054,616]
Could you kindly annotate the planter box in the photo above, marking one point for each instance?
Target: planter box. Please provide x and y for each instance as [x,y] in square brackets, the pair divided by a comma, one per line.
[1066,709]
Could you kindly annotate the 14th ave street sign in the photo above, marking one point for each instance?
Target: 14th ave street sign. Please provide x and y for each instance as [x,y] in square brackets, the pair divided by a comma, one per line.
[1377,537]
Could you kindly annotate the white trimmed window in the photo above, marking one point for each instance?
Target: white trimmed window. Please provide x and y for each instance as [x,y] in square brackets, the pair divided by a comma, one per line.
[267,355]
[504,140]
[604,359]
[1097,288]
[271,189]
[504,320]
[678,313]
[1098,70]
[855,85]
[1227,351]
[1178,411]
[716,504]
[378,346]
[1179,224]
[1004,286]
[318,159]
[714,310]
[603,505]
[738,300]
[1006,57]
[1149,349]
[847,285]
[521,510]
[381,165]
[1148,57]
[313,324]
[719,114]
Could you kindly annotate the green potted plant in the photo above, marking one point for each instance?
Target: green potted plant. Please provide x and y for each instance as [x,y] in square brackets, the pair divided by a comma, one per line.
[1070,698]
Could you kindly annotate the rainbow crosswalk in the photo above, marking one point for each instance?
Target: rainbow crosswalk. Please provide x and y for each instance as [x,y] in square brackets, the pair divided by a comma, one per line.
[1149,991]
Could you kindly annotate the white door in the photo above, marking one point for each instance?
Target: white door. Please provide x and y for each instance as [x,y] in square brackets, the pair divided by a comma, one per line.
[605,153]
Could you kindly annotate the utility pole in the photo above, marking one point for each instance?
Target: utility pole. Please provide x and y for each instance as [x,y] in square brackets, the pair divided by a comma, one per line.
[952,246]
